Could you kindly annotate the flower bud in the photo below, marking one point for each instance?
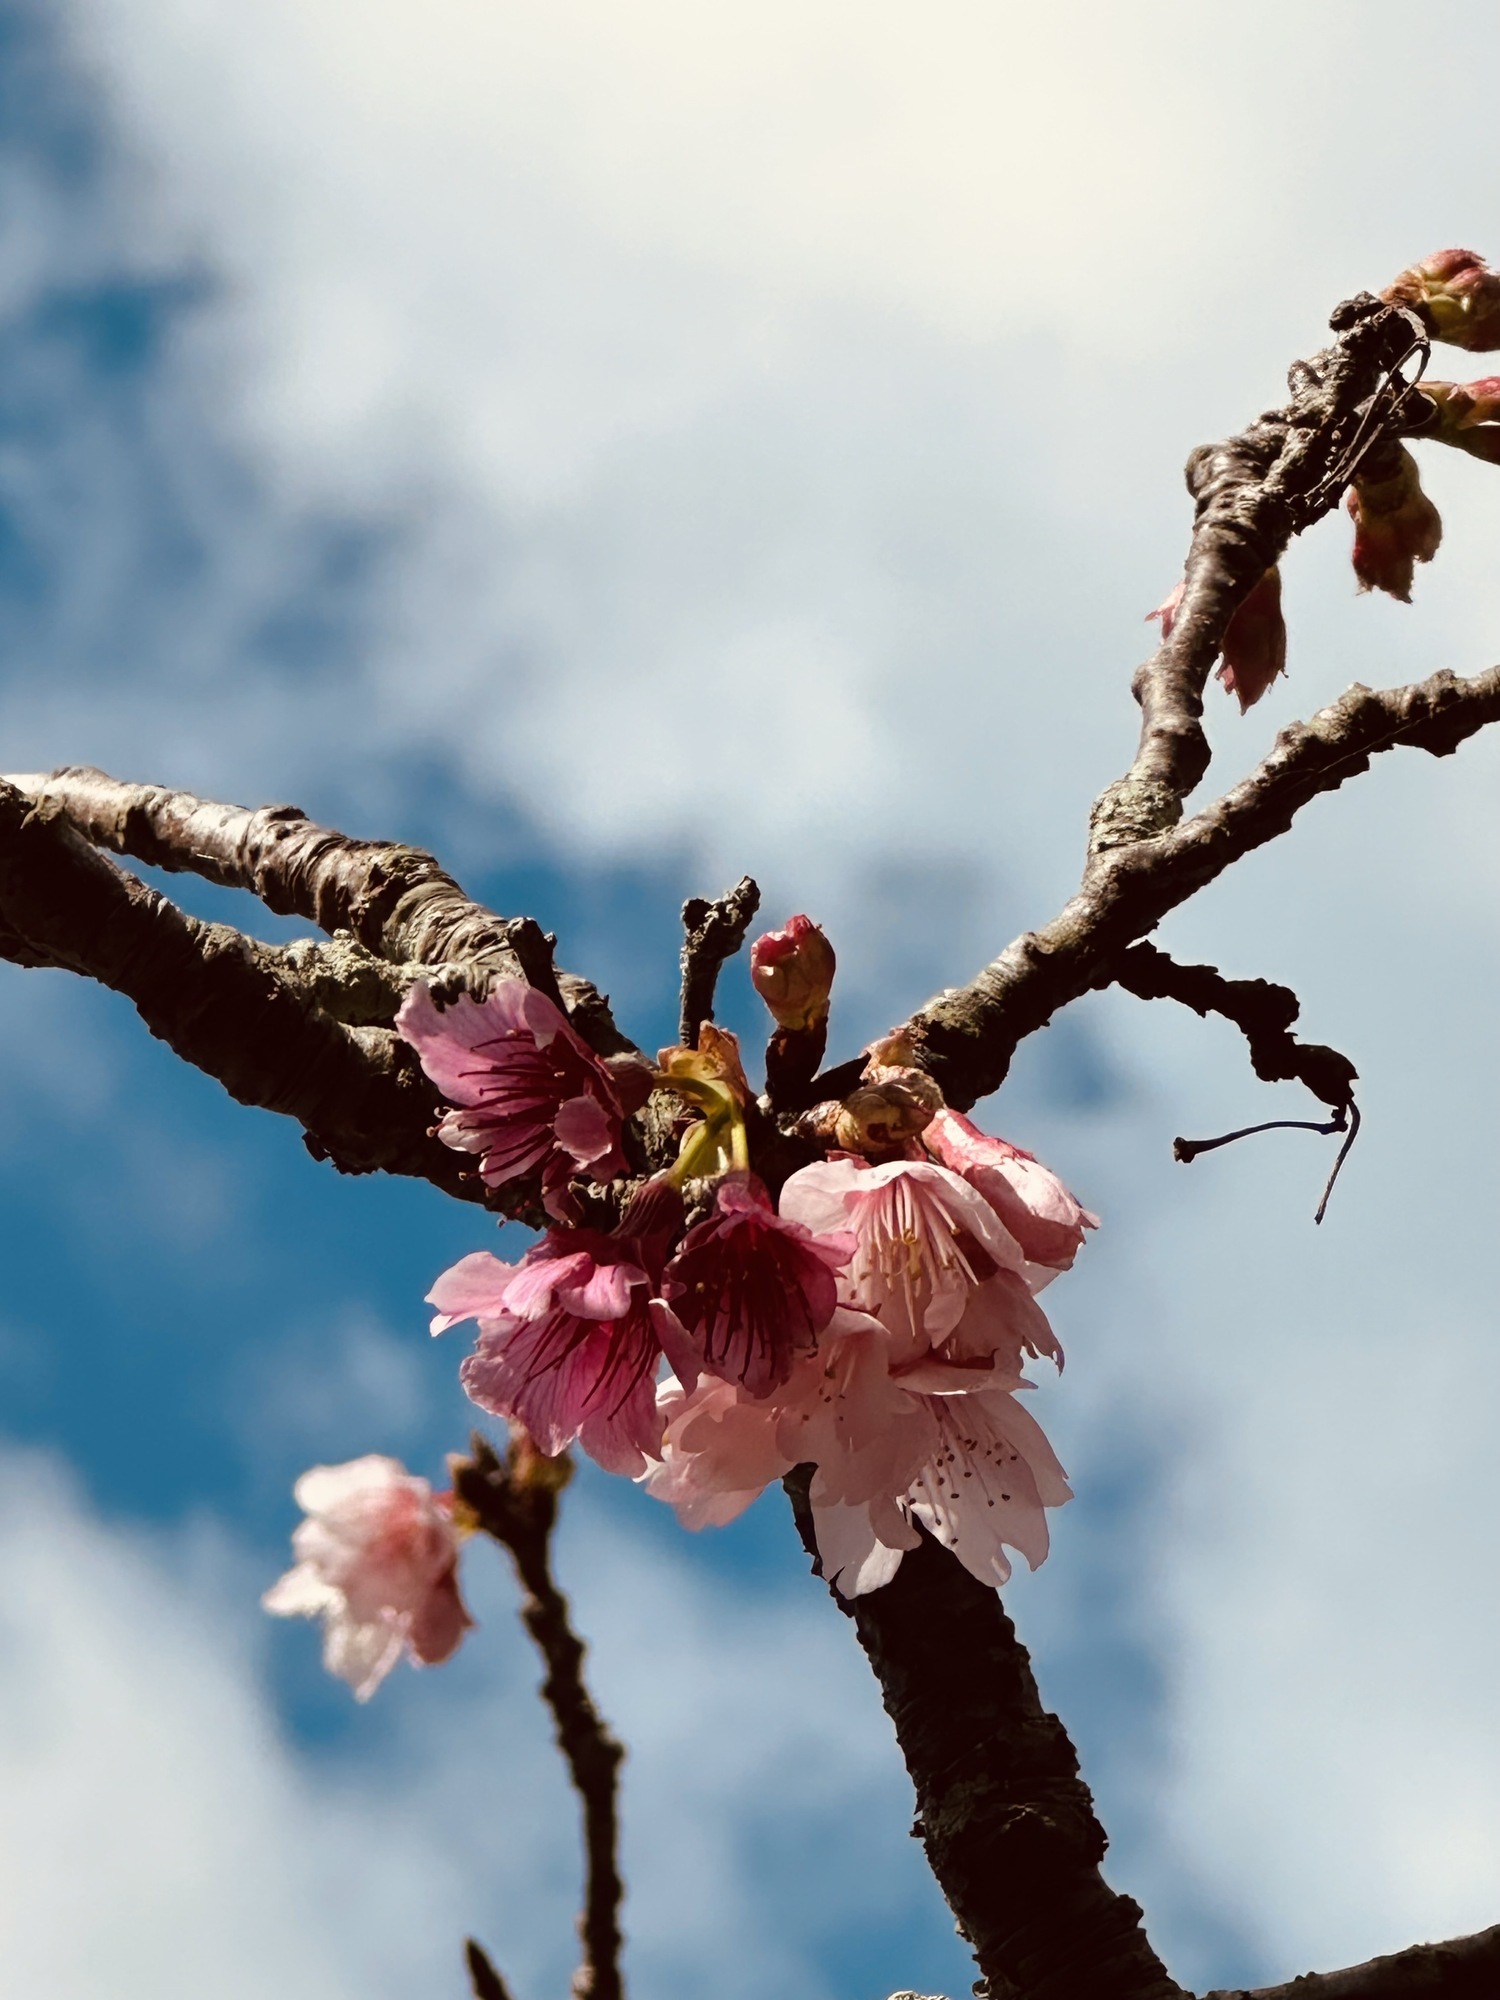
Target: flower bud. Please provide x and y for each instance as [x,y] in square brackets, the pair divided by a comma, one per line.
[1254,650]
[1456,296]
[792,971]
[1255,642]
[1468,415]
[1395,527]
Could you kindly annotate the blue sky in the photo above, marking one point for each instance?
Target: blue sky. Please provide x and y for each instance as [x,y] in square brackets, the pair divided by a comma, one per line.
[619,451]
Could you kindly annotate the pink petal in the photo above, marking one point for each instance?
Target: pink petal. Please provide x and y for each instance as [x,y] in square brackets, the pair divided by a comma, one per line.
[473,1288]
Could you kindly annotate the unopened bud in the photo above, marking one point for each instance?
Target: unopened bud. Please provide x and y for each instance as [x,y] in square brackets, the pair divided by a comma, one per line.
[1254,649]
[1255,642]
[792,971]
[529,1468]
[878,1117]
[1456,296]
[1468,415]
[1396,526]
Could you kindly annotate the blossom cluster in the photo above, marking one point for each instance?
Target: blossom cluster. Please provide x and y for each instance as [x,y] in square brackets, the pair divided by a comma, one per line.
[872,1320]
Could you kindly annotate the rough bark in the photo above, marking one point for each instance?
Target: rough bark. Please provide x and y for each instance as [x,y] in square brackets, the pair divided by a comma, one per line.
[1007,1823]
[1461,1969]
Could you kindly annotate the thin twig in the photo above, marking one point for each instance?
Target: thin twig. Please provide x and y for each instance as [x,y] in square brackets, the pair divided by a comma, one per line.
[516,1504]
[1262,1011]
[715,931]
[484,1981]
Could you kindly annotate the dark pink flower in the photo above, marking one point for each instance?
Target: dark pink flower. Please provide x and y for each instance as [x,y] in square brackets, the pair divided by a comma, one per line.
[792,971]
[753,1289]
[377,1561]
[529,1095]
[1456,296]
[1254,650]
[1036,1208]
[569,1338]
[1396,526]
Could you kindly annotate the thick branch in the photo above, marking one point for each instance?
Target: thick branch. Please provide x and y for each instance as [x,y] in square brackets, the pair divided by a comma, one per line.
[1262,1011]
[715,931]
[1253,493]
[1007,1823]
[395,900]
[971,1032]
[225,1003]
[1462,1969]
[516,1503]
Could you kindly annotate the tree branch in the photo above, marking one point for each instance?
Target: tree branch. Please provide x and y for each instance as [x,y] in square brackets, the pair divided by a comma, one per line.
[225,1003]
[1007,1823]
[970,1033]
[1262,1011]
[1462,1969]
[516,1504]
[395,900]
[1253,492]
[715,931]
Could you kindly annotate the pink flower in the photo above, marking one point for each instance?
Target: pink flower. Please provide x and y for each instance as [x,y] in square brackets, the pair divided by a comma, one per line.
[930,1253]
[1395,527]
[569,1338]
[792,971]
[529,1094]
[377,1561]
[1254,649]
[1029,1199]
[938,1443]
[1456,296]
[752,1288]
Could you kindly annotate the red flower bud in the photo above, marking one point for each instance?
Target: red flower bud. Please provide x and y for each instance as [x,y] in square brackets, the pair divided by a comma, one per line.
[1468,415]
[1255,642]
[1254,651]
[1456,296]
[1396,526]
[792,971]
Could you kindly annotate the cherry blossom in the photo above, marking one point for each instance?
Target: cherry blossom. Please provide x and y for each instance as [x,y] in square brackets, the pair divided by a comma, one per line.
[940,1443]
[570,1337]
[528,1093]
[377,1561]
[752,1288]
[925,1242]
[1032,1203]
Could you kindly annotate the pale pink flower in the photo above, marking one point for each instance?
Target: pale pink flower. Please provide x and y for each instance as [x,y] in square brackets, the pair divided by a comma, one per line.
[1032,1203]
[529,1095]
[938,1442]
[569,1338]
[377,1561]
[718,1451]
[753,1288]
[925,1242]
